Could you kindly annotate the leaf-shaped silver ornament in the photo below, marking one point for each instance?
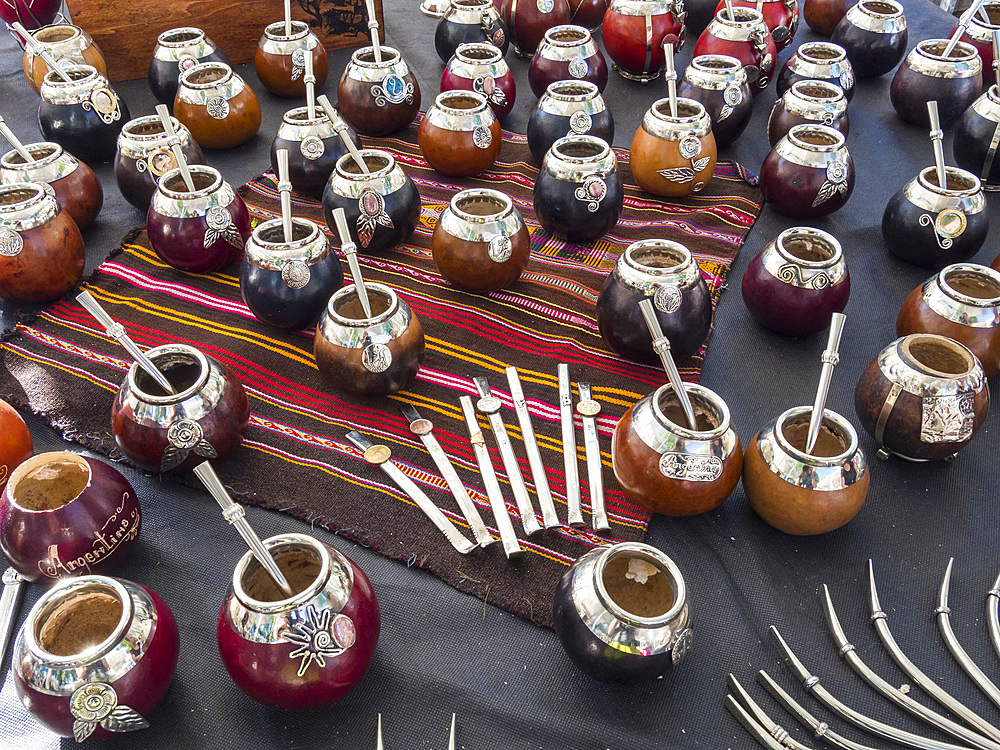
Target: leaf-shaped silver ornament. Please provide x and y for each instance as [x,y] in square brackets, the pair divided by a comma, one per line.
[124,719]
[83,729]
[829,190]
[701,163]
[680,174]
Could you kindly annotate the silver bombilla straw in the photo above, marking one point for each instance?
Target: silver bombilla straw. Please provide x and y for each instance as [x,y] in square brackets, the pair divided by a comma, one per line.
[379,745]
[288,17]
[830,358]
[285,191]
[570,461]
[116,330]
[670,74]
[729,10]
[236,516]
[7,133]
[40,51]
[351,251]
[10,603]
[451,737]
[996,52]
[341,127]
[310,80]
[963,24]
[661,345]
[937,139]
[373,28]
[175,145]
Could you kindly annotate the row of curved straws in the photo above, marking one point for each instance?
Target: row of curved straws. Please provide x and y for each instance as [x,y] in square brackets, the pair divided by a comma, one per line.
[976,732]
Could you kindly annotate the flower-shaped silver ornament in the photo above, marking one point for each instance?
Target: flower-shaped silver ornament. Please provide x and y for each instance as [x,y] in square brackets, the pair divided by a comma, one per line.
[217,107]
[580,123]
[835,184]
[482,137]
[184,437]
[220,226]
[96,705]
[312,147]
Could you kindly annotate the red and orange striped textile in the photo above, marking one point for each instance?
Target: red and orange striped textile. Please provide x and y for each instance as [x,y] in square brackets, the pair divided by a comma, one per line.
[295,458]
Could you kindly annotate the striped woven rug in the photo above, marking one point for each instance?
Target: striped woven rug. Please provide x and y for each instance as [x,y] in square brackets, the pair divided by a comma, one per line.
[295,459]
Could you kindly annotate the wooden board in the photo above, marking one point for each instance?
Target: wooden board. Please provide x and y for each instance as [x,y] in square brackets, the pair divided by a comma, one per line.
[126,30]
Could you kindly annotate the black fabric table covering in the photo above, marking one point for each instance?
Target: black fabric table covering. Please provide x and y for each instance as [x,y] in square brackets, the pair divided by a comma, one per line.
[509,682]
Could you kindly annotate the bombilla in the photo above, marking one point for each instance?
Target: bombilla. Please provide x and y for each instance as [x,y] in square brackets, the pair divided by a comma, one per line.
[451,737]
[937,139]
[963,24]
[175,145]
[661,345]
[351,251]
[729,10]
[996,53]
[40,50]
[379,745]
[373,28]
[341,127]
[7,133]
[10,604]
[310,80]
[285,191]
[236,515]
[288,17]
[670,73]
[830,358]
[116,331]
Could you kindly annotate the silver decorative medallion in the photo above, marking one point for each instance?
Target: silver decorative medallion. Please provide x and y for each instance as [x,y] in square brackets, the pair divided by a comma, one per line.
[545,6]
[948,224]
[489,404]
[792,274]
[487,86]
[578,67]
[667,298]
[731,97]
[320,636]
[588,408]
[298,63]
[221,227]
[186,62]
[482,137]
[217,107]
[157,163]
[689,468]
[836,182]
[376,358]
[392,90]
[491,30]
[690,147]
[11,243]
[580,122]
[104,102]
[371,207]
[592,191]
[500,249]
[312,147]
[96,705]
[947,419]
[682,645]
[183,438]
[295,274]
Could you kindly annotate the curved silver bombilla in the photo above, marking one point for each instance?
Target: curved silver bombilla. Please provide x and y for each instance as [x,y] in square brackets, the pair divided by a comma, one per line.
[993,603]
[811,684]
[820,729]
[750,710]
[756,730]
[847,652]
[968,666]
[880,620]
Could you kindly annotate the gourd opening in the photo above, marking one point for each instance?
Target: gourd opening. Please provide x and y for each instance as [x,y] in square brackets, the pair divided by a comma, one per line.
[348,305]
[830,442]
[706,414]
[459,101]
[980,285]
[881,7]
[49,481]
[481,204]
[79,621]
[38,152]
[202,181]
[821,51]
[366,56]
[686,108]
[808,247]
[14,196]
[300,565]
[816,90]
[954,180]
[55,34]
[275,234]
[938,355]
[206,75]
[374,162]
[183,370]
[145,126]
[936,48]
[478,52]
[180,36]
[638,584]
[567,35]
